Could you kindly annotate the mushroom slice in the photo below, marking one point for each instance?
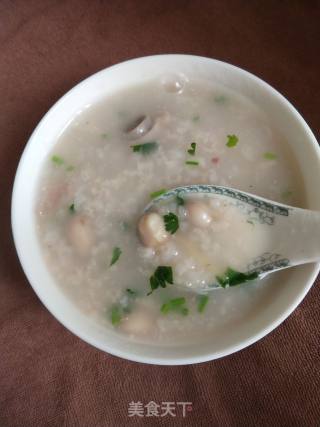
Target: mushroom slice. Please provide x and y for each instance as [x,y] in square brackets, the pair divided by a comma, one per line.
[139,127]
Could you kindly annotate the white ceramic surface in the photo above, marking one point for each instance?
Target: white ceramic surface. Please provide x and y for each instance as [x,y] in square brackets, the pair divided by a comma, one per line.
[91,90]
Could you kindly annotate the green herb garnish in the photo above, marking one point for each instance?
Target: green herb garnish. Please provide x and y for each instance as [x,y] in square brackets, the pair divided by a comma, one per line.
[105,135]
[146,148]
[160,278]
[116,314]
[115,255]
[270,156]
[192,150]
[220,99]
[250,221]
[232,277]
[158,193]
[132,293]
[192,162]
[124,226]
[171,222]
[123,307]
[202,302]
[232,141]
[72,208]
[57,160]
[176,304]
[179,200]
[286,194]
[195,118]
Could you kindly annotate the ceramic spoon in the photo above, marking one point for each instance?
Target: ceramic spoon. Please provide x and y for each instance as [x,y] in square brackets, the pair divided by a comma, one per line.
[294,232]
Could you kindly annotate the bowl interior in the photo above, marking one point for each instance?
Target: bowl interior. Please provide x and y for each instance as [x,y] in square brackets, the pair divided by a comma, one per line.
[294,283]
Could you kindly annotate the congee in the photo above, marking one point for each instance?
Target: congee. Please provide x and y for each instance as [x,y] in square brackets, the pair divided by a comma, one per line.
[122,267]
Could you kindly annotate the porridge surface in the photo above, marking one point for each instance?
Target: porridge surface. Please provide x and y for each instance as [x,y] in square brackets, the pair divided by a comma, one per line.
[94,187]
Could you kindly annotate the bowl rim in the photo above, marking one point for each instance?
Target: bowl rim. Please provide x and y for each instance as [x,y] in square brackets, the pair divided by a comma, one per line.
[208,356]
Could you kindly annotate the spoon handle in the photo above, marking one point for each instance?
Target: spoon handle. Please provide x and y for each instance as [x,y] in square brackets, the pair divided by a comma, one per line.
[298,236]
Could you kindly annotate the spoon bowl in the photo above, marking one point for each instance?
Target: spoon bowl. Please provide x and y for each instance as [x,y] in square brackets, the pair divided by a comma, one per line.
[293,234]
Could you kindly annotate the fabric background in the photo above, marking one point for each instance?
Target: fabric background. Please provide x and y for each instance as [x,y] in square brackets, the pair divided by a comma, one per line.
[48,377]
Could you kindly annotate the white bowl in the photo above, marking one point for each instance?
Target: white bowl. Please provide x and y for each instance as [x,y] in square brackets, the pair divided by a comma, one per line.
[303,143]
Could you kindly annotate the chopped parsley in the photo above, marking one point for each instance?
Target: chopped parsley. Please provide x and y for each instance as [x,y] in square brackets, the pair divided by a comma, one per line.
[232,277]
[250,221]
[220,99]
[72,208]
[192,163]
[270,156]
[176,305]
[171,222]
[158,193]
[160,278]
[202,302]
[146,148]
[115,255]
[124,226]
[196,118]
[286,194]
[116,314]
[132,293]
[105,135]
[232,141]
[179,200]
[192,150]
[57,160]
[123,307]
